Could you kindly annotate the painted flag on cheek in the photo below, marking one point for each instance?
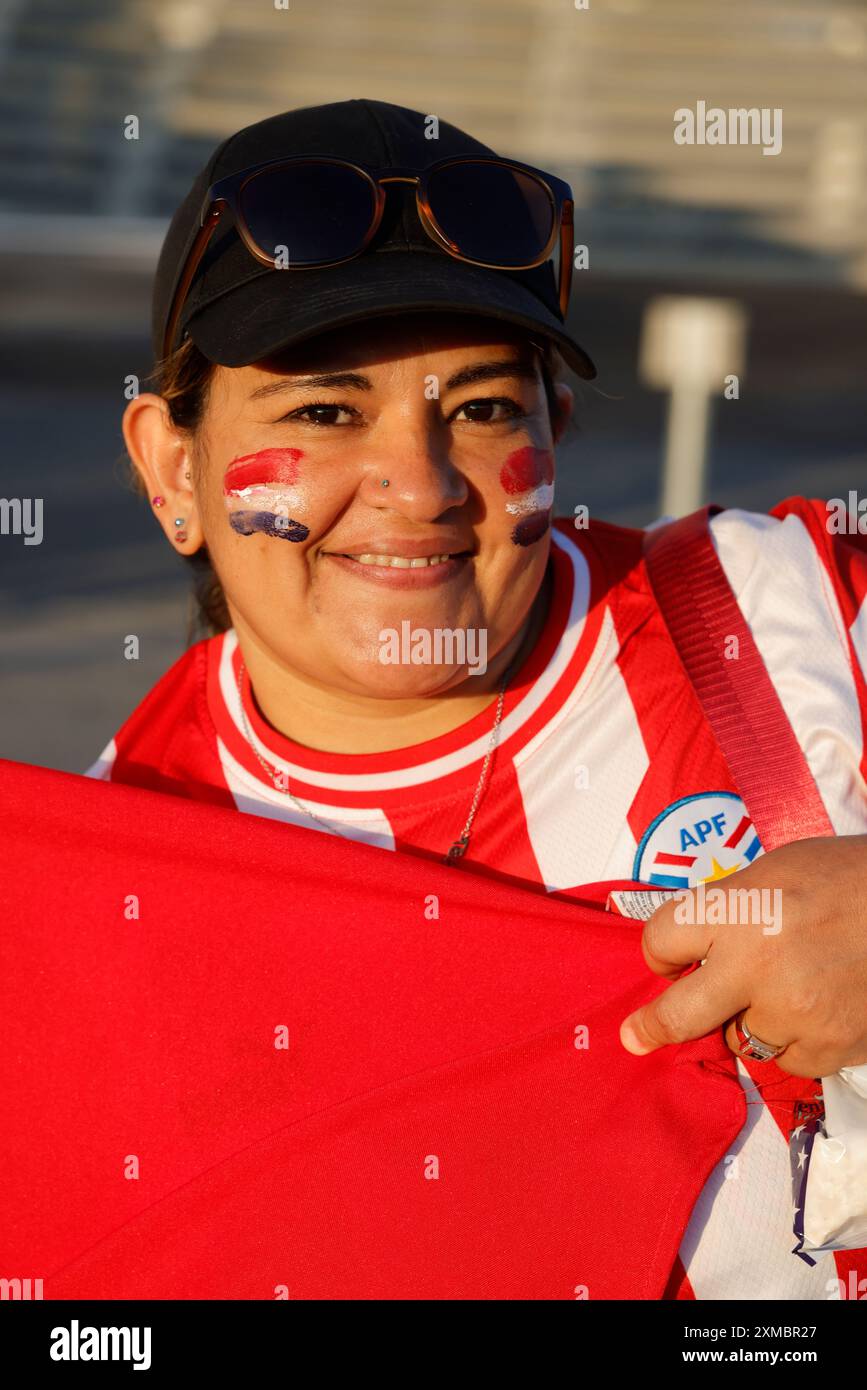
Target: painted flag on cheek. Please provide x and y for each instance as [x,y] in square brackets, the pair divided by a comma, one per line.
[527,478]
[251,1057]
[261,494]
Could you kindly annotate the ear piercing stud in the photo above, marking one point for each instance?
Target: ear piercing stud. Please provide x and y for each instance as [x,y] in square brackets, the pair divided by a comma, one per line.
[180,533]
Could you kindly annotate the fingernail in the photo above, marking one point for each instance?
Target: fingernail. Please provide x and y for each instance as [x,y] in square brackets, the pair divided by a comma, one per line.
[629,1038]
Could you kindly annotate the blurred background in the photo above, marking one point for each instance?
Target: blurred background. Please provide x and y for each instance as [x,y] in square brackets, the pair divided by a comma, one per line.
[699,257]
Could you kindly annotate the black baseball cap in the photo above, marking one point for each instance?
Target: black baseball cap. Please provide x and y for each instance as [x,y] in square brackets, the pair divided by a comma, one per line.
[239,311]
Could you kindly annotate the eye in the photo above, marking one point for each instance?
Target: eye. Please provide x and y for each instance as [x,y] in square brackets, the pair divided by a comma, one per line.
[489,410]
[322,413]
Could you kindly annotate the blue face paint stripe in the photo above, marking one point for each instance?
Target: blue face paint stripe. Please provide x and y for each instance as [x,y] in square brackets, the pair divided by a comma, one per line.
[268,524]
[531,529]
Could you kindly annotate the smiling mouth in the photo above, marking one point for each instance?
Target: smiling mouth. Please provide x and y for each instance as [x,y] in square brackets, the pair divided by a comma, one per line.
[406,562]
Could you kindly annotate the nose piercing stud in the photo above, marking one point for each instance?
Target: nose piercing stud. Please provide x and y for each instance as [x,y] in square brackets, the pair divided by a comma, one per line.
[384,482]
[158,501]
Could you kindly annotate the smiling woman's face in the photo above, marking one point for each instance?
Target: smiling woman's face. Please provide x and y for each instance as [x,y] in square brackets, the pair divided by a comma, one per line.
[320,561]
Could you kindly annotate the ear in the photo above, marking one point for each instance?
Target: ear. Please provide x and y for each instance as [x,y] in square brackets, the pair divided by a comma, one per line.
[565,402]
[163,457]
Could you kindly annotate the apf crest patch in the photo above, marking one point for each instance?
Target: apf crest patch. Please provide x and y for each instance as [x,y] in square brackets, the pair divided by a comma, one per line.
[698,839]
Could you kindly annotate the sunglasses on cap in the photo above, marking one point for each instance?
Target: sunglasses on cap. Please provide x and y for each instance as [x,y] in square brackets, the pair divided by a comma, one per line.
[313,210]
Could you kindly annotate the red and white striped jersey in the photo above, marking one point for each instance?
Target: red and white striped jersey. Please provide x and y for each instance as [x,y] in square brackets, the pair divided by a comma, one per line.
[605,769]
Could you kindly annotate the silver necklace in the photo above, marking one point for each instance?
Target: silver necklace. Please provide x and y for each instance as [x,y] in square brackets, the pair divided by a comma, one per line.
[278,779]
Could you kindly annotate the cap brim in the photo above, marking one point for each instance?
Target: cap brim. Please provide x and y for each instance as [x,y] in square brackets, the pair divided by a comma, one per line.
[277,309]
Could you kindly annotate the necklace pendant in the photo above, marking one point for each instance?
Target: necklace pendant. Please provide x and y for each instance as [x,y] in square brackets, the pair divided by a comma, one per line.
[458,849]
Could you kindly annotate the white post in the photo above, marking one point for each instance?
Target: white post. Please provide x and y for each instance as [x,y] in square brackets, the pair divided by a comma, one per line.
[689,346]
[684,466]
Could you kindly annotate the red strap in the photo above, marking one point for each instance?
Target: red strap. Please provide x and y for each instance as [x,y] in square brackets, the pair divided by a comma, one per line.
[738,698]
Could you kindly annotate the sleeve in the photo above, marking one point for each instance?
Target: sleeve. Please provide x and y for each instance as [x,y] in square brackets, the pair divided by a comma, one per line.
[800,577]
[168,743]
[835,1210]
[838,532]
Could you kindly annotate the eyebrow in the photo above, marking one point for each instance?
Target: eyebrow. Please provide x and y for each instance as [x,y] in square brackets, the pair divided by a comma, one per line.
[467,376]
[524,369]
[353,380]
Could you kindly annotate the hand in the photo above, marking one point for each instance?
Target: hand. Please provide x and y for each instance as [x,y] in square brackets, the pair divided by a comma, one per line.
[799,967]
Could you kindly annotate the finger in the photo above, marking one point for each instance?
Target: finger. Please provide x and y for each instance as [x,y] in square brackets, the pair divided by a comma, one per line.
[689,1008]
[672,938]
[683,929]
[808,1058]
[799,1060]
[767,1030]
[810,1054]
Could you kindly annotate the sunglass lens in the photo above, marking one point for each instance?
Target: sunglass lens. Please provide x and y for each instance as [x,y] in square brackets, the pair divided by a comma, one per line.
[309,212]
[492,212]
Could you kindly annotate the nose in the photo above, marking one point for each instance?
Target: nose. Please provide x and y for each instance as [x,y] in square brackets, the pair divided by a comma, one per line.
[416,480]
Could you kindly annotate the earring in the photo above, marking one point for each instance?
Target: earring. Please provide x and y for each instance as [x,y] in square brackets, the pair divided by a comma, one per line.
[180,536]
[158,501]
[186,475]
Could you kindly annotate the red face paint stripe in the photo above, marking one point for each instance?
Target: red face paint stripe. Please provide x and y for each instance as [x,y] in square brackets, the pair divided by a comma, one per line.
[268,466]
[527,468]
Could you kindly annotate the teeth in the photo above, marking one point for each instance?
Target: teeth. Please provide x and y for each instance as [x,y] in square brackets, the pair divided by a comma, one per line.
[400,562]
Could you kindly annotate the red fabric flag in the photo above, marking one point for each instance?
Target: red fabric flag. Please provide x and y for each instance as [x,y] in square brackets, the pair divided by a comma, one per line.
[250,1060]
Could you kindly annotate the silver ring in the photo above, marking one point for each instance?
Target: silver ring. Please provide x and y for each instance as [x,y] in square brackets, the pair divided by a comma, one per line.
[752,1047]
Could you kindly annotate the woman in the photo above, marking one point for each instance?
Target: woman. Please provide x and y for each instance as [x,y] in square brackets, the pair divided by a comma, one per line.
[357,456]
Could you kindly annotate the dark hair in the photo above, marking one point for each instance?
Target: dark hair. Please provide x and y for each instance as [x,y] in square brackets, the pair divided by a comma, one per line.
[184,380]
